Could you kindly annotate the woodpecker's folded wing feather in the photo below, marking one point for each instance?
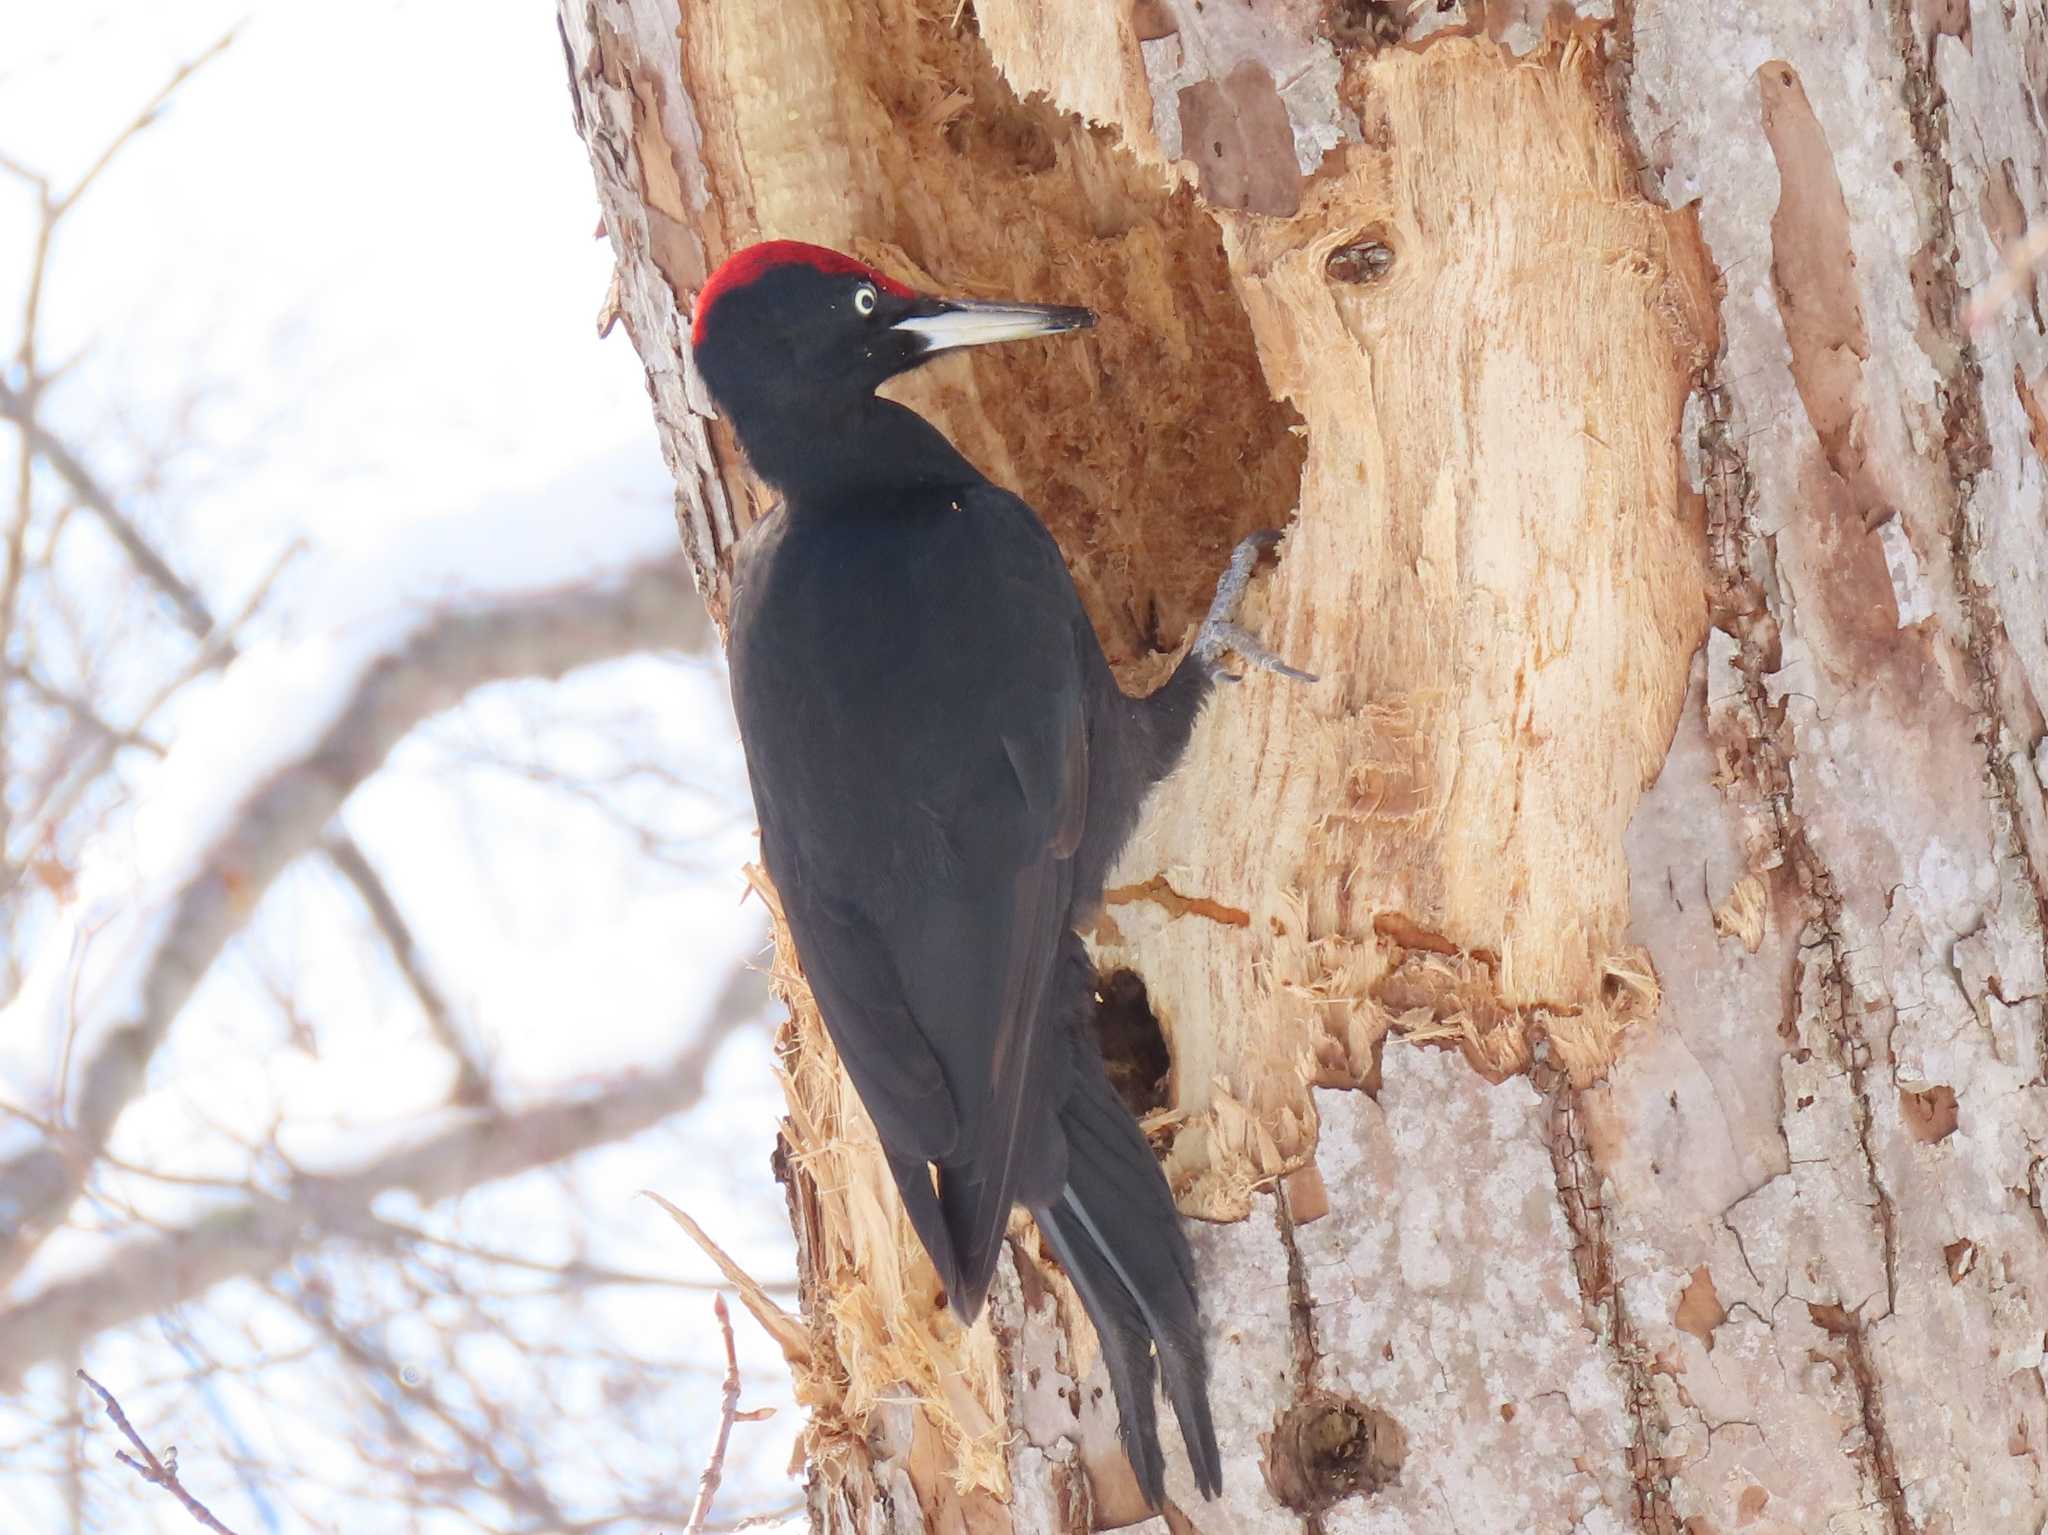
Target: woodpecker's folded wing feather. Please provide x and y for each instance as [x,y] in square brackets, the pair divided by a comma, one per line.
[926,868]
[853,976]
[981,969]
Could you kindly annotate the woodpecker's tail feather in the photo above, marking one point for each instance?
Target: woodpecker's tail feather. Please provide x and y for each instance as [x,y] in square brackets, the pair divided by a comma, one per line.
[927,1219]
[1115,1231]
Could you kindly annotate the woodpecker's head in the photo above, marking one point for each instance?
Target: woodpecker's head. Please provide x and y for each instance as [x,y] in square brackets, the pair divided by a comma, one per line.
[787,335]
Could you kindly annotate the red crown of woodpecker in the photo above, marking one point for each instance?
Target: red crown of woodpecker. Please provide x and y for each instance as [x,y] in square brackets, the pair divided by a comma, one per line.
[755,261]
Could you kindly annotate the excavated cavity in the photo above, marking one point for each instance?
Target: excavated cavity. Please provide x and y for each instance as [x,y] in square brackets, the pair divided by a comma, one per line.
[1133,1045]
[1151,444]
[1328,1447]
[1366,24]
[1366,257]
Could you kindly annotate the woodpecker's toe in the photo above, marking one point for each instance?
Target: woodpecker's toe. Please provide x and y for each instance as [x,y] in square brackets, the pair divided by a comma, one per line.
[1220,631]
[1228,636]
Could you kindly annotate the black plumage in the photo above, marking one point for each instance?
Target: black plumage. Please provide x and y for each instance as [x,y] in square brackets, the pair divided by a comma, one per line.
[944,769]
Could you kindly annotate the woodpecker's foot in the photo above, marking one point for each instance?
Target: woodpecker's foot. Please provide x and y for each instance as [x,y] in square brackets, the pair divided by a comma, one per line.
[1220,631]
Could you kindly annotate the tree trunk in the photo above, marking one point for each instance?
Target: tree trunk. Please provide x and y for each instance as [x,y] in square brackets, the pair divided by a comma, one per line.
[1670,547]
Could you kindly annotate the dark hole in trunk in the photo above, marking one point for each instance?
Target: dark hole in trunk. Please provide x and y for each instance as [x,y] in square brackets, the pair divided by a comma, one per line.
[1133,1046]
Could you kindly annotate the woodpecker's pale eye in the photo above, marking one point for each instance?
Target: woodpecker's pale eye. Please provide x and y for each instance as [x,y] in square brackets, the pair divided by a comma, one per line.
[864,299]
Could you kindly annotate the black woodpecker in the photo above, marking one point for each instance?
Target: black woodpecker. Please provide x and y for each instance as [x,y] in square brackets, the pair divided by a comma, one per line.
[944,769]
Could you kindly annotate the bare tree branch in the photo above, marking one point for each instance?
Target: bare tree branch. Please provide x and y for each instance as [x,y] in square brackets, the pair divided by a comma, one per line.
[177,936]
[150,817]
[81,711]
[192,610]
[574,1273]
[55,207]
[146,116]
[262,1233]
[20,407]
[472,1086]
[72,784]
[149,1468]
[521,1490]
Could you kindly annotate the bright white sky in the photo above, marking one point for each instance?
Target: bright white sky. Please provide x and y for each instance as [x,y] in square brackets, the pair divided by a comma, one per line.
[360,244]
[374,223]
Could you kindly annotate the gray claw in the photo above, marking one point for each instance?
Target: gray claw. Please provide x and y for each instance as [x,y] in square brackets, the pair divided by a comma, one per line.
[1253,649]
[1220,630]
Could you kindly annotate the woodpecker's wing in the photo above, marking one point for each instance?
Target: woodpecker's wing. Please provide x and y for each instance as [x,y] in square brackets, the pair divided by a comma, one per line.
[910,689]
[846,961]
[982,963]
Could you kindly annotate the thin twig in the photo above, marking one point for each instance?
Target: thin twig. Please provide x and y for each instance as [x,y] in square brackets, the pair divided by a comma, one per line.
[79,709]
[52,209]
[149,1468]
[19,408]
[472,1086]
[216,651]
[259,1235]
[760,1521]
[25,172]
[574,1273]
[707,1485]
[524,1490]
[145,117]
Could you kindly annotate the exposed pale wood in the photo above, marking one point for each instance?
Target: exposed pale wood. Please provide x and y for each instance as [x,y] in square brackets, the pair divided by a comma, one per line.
[1664,849]
[1499,578]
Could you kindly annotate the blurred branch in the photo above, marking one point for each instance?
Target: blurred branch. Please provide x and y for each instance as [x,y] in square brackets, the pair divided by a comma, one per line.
[59,206]
[148,114]
[524,1492]
[192,610]
[471,1084]
[149,1468]
[261,1232]
[81,711]
[218,650]
[174,929]
[197,617]
[118,934]
[54,207]
[575,1274]
[20,407]
[10,595]
[611,795]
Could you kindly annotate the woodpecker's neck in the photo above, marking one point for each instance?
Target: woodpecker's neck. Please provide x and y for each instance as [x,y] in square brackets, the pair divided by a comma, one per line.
[867,449]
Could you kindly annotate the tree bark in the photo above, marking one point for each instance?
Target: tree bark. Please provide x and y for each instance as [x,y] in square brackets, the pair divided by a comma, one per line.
[1606,1013]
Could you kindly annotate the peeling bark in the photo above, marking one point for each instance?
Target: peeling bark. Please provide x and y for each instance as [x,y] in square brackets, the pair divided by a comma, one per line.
[1605,1015]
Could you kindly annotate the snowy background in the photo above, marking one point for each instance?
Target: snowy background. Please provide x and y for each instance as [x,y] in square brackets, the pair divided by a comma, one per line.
[323,333]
